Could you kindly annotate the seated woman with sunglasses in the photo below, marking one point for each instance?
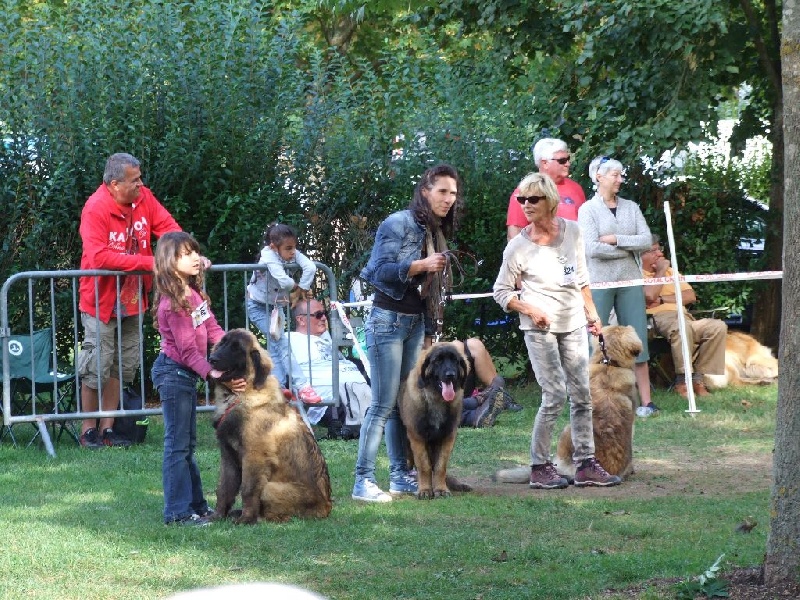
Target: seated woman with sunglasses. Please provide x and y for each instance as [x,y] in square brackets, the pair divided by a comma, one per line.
[616,232]
[555,309]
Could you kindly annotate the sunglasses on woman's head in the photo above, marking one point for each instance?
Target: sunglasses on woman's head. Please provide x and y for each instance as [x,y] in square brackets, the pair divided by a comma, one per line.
[532,199]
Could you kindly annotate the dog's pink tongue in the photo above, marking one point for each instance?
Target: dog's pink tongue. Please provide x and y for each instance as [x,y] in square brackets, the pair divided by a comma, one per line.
[448,393]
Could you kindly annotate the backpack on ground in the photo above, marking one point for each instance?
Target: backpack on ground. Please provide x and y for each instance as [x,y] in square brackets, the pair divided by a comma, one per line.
[133,429]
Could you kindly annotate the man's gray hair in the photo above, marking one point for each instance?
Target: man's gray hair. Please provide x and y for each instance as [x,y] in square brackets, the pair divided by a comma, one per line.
[545,148]
[654,239]
[116,164]
[303,308]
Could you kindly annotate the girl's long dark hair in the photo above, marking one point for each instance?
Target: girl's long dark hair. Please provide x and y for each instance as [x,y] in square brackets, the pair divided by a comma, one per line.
[167,281]
[422,208]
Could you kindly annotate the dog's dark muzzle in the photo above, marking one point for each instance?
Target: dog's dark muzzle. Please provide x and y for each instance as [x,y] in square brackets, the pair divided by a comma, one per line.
[217,364]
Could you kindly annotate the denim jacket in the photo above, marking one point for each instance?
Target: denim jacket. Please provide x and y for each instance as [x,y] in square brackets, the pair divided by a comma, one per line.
[398,243]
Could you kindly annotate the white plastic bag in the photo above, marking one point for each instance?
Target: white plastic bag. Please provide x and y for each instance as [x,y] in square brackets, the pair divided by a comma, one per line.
[276,323]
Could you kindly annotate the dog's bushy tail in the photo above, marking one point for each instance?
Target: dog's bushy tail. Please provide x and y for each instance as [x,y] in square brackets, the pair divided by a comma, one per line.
[521,474]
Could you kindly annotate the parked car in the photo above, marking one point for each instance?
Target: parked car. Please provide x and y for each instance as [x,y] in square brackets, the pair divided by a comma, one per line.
[750,249]
[752,216]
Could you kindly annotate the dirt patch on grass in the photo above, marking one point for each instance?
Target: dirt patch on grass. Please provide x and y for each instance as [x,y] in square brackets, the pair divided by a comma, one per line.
[686,474]
[682,474]
[743,584]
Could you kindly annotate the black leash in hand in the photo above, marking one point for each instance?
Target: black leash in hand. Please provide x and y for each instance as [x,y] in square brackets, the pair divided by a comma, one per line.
[602,341]
[444,294]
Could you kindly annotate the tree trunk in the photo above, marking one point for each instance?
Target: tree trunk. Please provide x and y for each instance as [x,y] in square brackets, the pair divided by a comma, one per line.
[782,561]
[767,313]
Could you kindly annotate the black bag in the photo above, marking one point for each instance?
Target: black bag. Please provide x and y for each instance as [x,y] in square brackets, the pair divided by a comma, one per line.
[133,429]
[354,400]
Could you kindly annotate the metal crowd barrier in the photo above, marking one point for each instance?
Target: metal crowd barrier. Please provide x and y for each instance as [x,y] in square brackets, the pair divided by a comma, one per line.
[48,301]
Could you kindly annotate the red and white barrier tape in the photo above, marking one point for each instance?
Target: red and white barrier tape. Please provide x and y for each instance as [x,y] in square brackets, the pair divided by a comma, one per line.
[627,283]
[339,307]
[690,279]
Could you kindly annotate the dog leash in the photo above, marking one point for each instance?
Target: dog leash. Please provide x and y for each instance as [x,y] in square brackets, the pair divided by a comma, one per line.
[602,341]
[445,294]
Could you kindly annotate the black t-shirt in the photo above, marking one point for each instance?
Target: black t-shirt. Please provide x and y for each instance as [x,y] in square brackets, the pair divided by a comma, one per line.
[410,304]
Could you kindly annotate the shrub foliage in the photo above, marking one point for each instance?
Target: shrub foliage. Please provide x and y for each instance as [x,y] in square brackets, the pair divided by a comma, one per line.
[240,119]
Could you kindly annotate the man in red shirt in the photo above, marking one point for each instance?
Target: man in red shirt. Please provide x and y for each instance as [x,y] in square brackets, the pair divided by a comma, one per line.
[552,158]
[118,222]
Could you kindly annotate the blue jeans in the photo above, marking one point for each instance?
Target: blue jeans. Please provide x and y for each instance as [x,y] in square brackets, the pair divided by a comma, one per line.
[183,491]
[394,341]
[259,314]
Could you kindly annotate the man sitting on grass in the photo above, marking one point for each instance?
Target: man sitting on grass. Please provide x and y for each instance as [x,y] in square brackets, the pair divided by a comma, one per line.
[482,407]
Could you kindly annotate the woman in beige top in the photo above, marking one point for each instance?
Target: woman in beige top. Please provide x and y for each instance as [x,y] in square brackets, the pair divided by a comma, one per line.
[556,308]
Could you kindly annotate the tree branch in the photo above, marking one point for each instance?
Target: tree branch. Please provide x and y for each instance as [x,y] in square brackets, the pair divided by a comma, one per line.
[773,19]
[771,67]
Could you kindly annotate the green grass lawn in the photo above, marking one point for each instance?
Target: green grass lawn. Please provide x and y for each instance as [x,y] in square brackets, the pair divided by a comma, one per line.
[87,524]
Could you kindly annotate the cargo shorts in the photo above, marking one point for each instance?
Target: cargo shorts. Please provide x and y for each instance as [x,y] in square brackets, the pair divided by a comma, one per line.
[99,353]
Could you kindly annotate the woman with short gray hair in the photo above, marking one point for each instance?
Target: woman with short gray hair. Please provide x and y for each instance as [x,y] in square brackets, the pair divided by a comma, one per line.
[615,232]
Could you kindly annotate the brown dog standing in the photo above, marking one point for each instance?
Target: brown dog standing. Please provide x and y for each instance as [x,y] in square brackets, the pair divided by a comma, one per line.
[430,407]
[267,451]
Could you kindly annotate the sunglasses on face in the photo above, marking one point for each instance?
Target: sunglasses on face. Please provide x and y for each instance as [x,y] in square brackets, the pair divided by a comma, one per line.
[318,315]
[532,199]
[563,160]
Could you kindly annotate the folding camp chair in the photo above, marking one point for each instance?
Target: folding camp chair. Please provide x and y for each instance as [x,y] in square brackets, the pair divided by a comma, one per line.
[36,389]
[658,348]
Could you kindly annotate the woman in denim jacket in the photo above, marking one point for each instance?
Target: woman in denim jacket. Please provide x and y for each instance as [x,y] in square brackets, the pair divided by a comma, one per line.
[406,263]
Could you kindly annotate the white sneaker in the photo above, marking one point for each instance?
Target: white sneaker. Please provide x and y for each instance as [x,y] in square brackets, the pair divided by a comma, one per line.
[647,411]
[367,490]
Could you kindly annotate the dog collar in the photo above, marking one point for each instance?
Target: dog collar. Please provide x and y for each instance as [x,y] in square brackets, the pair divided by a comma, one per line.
[227,411]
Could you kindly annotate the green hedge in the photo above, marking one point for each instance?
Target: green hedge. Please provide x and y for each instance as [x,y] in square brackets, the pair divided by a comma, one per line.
[240,120]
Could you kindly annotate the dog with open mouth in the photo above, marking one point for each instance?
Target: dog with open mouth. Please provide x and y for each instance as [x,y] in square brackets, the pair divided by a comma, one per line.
[430,405]
[268,454]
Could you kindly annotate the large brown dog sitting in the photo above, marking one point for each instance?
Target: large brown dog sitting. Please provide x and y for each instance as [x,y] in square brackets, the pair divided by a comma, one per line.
[430,407]
[267,451]
[613,389]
